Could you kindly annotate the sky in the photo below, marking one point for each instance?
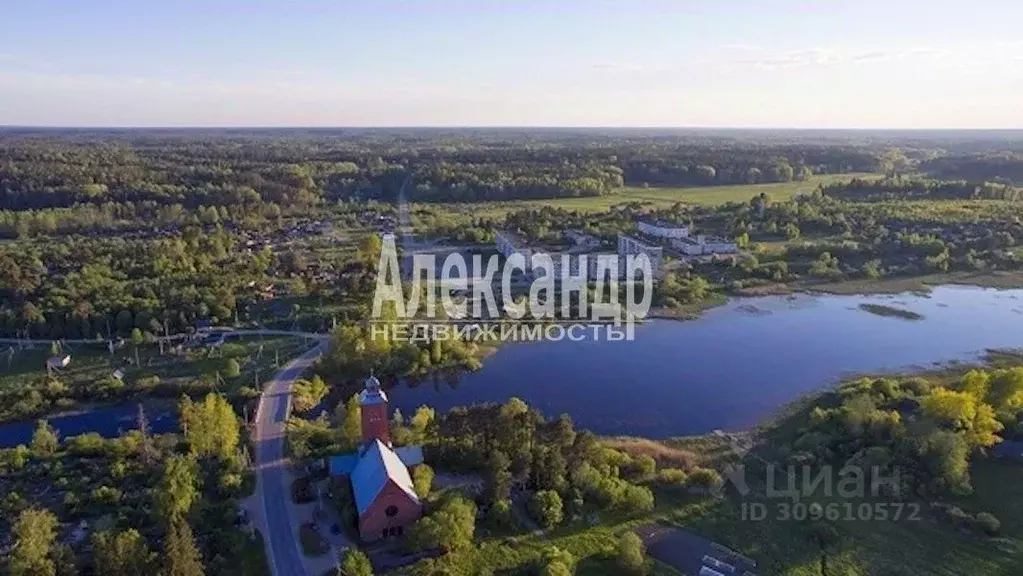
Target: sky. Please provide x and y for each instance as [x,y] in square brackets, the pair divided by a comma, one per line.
[664,63]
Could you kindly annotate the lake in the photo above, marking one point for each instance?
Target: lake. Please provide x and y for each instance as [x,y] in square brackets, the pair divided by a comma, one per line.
[730,369]
[736,365]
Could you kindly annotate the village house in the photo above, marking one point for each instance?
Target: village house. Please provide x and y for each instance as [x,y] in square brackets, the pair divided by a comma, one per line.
[385,500]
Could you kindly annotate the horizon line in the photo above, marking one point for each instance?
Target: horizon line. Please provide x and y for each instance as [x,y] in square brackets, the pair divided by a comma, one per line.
[496,127]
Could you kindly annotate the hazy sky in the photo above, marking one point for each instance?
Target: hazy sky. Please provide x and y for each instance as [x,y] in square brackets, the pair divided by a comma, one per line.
[748,63]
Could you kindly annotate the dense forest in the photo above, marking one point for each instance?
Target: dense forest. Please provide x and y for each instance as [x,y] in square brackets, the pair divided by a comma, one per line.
[1004,166]
[167,178]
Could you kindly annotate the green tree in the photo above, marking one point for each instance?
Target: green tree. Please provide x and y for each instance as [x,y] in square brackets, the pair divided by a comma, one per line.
[422,479]
[231,368]
[451,527]
[178,487]
[355,563]
[546,508]
[211,427]
[421,422]
[44,440]
[136,337]
[497,478]
[308,393]
[557,562]
[122,553]
[180,555]
[351,428]
[792,231]
[631,557]
[35,532]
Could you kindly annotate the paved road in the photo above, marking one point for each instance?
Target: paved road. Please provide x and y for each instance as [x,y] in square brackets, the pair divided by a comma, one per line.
[273,491]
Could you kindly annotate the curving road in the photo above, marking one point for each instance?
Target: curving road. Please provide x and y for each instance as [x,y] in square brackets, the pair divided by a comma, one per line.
[273,491]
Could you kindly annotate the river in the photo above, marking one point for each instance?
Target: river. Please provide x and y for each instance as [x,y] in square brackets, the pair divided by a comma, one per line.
[730,369]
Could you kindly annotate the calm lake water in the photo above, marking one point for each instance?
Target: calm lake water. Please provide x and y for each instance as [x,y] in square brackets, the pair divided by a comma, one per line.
[737,364]
[730,369]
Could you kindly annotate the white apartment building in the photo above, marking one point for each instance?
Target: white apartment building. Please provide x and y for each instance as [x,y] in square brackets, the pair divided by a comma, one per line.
[628,245]
[661,229]
[703,245]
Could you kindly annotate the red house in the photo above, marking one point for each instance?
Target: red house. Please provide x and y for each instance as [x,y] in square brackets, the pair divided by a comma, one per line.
[385,498]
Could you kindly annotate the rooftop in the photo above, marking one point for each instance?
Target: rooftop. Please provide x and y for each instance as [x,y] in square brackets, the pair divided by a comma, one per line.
[662,223]
[378,465]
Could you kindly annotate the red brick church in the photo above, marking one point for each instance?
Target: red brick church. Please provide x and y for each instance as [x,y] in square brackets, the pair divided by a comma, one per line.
[385,500]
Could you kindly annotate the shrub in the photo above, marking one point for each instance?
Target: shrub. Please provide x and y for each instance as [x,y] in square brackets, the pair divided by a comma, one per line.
[557,562]
[631,556]
[451,527]
[635,499]
[500,515]
[356,563]
[546,508]
[312,541]
[303,491]
[422,480]
[90,444]
[671,477]
[704,478]
[987,523]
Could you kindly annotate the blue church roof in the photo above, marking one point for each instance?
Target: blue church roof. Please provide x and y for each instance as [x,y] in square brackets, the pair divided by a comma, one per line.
[343,464]
[375,467]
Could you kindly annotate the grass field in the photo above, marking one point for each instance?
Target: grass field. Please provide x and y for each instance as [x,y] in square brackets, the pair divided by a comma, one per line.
[659,197]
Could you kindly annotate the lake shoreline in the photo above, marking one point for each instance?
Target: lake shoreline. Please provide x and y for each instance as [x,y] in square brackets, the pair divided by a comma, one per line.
[703,444]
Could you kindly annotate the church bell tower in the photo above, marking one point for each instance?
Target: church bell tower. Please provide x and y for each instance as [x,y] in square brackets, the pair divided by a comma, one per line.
[373,406]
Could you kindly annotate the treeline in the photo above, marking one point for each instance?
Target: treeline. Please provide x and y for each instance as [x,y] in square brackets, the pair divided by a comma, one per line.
[491,182]
[913,189]
[292,172]
[743,164]
[1005,166]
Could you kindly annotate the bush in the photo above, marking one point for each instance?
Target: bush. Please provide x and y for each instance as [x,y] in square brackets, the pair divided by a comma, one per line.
[704,478]
[546,508]
[355,563]
[90,444]
[500,515]
[232,369]
[631,556]
[422,480]
[451,527]
[642,466]
[312,541]
[635,499]
[672,477]
[987,523]
[557,562]
[303,491]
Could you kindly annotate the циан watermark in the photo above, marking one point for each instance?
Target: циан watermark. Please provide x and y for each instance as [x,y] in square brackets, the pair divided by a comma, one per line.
[851,492]
[547,297]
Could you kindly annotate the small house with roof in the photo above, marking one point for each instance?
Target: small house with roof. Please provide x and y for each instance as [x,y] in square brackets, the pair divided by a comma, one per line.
[386,502]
